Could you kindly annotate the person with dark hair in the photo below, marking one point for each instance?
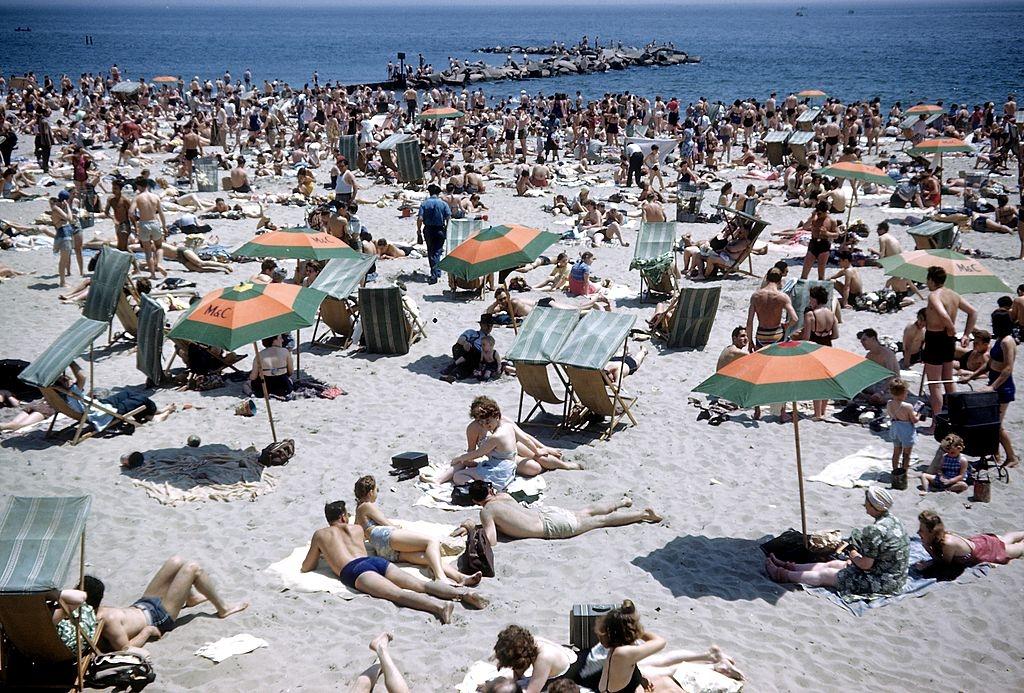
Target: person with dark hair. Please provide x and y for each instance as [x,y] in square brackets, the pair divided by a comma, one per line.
[913,339]
[770,305]
[432,226]
[1002,355]
[274,366]
[737,349]
[1017,310]
[820,327]
[466,351]
[847,280]
[342,545]
[519,650]
[940,336]
[823,230]
[949,548]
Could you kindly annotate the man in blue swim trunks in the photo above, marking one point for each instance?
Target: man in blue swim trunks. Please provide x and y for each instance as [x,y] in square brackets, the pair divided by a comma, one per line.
[341,545]
[177,585]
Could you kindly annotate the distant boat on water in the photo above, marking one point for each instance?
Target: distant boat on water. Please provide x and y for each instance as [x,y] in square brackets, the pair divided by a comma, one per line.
[22,28]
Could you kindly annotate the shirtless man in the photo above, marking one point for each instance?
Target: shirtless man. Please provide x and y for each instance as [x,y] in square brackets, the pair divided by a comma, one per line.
[847,280]
[192,148]
[152,226]
[539,174]
[940,336]
[474,181]
[499,512]
[832,132]
[913,340]
[1017,310]
[768,304]
[888,245]
[823,231]
[341,545]
[238,179]
[735,350]
[266,273]
[120,205]
[179,584]
[653,210]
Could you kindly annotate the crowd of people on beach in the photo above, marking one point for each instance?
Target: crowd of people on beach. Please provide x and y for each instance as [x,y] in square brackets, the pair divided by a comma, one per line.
[170,136]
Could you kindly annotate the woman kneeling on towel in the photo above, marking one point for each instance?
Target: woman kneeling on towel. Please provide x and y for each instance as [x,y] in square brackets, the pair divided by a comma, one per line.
[946,547]
[878,556]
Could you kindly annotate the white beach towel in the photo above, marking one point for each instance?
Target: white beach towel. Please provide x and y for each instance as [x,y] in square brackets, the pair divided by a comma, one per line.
[697,678]
[870,465]
[482,671]
[242,643]
[439,496]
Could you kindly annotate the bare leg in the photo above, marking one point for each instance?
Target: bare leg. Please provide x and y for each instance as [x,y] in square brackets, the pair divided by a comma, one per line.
[824,577]
[173,584]
[381,587]
[394,682]
[436,588]
[617,519]
[366,681]
[1014,542]
[405,541]
[22,420]
[934,373]
[808,263]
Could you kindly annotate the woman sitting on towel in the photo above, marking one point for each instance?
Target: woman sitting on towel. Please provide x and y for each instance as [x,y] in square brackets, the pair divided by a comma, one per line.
[402,545]
[877,562]
[533,456]
[497,447]
[277,369]
[946,547]
[518,649]
[628,658]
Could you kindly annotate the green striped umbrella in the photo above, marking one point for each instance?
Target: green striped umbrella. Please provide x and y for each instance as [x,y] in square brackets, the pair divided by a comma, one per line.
[297,244]
[794,372]
[964,274]
[495,249]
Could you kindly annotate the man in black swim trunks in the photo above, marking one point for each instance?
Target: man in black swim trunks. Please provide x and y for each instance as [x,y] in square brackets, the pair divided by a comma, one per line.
[341,545]
[940,336]
[177,585]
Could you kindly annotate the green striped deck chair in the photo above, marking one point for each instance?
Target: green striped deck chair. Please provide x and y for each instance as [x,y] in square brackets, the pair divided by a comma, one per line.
[689,326]
[929,235]
[149,355]
[108,279]
[348,147]
[410,162]
[583,356]
[654,244]
[540,337]
[756,226]
[39,538]
[459,230]
[388,328]
[339,280]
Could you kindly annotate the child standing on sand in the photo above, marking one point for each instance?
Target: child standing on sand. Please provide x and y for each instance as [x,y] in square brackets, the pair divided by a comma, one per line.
[902,430]
[953,473]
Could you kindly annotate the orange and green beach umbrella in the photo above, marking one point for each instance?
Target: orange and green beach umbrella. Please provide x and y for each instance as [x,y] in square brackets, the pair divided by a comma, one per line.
[495,249]
[940,145]
[794,372]
[297,244]
[854,170]
[925,108]
[166,79]
[232,317]
[440,113]
[964,274]
[812,93]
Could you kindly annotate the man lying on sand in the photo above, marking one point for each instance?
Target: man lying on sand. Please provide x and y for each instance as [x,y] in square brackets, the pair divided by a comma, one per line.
[341,545]
[499,512]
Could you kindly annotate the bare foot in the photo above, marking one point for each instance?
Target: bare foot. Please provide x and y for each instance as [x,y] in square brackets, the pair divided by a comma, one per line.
[233,610]
[474,600]
[626,502]
[471,580]
[1011,462]
[445,614]
[775,572]
[651,516]
[381,641]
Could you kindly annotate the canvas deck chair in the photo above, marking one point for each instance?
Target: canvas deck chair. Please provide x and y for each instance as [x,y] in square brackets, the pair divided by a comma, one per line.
[348,147]
[38,538]
[109,277]
[150,335]
[755,227]
[654,246]
[46,370]
[339,280]
[459,231]
[930,235]
[690,322]
[543,332]
[410,162]
[388,326]
[214,365]
[775,146]
[798,144]
[583,356]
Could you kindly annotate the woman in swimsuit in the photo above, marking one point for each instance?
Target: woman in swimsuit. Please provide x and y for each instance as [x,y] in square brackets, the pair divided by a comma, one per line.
[497,446]
[949,548]
[1001,357]
[402,545]
[277,369]
[518,649]
[823,231]
[533,456]
[820,327]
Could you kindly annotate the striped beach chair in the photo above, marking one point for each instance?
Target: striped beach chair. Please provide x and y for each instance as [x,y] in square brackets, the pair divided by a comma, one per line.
[689,325]
[339,280]
[108,279]
[459,231]
[151,331]
[539,338]
[410,162]
[929,235]
[348,147]
[388,327]
[799,291]
[654,243]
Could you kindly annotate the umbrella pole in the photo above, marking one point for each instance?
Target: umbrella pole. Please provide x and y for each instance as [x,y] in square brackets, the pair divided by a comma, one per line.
[511,311]
[800,473]
[92,370]
[266,395]
[298,351]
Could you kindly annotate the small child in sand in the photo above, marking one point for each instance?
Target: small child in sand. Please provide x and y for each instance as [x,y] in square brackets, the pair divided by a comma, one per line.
[490,360]
[559,276]
[902,430]
[954,472]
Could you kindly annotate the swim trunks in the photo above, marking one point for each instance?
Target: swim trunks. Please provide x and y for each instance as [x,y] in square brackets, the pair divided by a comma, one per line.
[380,542]
[364,564]
[191,154]
[817,246]
[156,614]
[150,231]
[766,336]
[559,523]
[939,348]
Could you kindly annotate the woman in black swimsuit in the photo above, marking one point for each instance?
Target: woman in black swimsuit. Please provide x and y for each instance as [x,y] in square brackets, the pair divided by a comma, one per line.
[820,327]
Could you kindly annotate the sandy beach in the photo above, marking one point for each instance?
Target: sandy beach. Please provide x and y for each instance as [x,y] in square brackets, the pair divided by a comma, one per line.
[697,578]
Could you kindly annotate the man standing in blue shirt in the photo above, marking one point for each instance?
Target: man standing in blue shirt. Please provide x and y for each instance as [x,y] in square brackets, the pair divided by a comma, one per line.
[432,224]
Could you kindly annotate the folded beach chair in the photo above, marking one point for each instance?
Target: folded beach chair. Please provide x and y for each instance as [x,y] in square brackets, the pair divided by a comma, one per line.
[460,230]
[105,286]
[931,235]
[690,323]
[45,371]
[583,356]
[150,335]
[388,328]
[410,162]
[539,338]
[653,255]
[348,147]
[339,280]
[798,144]
[38,538]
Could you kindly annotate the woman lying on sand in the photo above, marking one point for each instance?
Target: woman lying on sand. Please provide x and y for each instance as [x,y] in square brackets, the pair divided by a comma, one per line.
[946,547]
[402,545]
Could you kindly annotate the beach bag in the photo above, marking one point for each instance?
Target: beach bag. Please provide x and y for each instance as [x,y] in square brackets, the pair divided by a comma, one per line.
[277,454]
[478,556]
[120,670]
[460,495]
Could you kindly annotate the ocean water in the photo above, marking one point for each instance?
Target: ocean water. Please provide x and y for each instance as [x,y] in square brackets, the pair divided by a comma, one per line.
[909,51]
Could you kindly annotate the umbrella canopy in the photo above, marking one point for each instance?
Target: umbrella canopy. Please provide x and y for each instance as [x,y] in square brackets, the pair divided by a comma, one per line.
[440,113]
[793,372]
[853,170]
[925,108]
[495,249]
[166,79]
[964,274]
[235,316]
[297,244]
[940,145]
[811,92]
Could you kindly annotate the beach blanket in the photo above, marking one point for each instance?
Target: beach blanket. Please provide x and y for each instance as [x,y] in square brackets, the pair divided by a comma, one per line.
[916,586]
[177,476]
[243,643]
[867,466]
[700,678]
[439,496]
[289,570]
